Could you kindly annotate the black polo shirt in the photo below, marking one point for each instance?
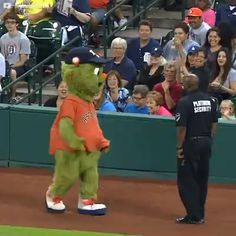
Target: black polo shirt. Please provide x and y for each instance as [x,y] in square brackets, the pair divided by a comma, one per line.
[204,77]
[196,111]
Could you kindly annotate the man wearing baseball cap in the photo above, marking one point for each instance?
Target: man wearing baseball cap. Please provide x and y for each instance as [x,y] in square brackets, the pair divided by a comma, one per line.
[198,28]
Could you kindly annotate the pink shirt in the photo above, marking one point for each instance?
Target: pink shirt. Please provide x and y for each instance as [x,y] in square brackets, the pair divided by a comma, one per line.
[209,16]
[162,111]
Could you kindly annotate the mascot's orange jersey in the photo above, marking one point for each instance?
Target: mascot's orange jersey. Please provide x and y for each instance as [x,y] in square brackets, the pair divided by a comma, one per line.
[84,117]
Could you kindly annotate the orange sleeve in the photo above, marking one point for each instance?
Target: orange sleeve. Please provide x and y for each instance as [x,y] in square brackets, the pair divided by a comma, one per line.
[67,110]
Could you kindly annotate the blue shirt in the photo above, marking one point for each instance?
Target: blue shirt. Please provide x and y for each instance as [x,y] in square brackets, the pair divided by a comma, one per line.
[126,68]
[133,108]
[224,14]
[79,5]
[136,53]
[107,106]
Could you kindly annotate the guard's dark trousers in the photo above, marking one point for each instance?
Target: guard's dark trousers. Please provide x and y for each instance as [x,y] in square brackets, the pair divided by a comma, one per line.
[193,172]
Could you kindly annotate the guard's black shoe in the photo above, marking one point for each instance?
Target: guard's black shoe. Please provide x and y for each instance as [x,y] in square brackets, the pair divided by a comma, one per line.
[189,220]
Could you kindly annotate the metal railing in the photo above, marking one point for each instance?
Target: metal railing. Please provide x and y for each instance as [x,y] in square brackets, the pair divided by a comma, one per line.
[56,55]
[140,8]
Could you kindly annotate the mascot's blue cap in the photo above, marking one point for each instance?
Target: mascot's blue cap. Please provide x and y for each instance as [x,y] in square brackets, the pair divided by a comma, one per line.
[85,55]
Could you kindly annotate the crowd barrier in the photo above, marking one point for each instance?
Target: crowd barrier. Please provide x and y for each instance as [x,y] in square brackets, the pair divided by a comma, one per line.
[141,146]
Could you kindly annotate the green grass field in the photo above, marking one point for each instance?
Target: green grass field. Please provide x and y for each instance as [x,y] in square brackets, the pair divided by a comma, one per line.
[24,231]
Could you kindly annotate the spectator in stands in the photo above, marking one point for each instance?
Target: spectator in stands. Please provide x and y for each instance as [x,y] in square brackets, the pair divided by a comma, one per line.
[155,106]
[201,70]
[226,13]
[224,84]
[198,28]
[179,45]
[208,14]
[226,32]
[227,110]
[103,104]
[153,73]
[139,103]
[34,10]
[192,54]
[138,49]
[122,63]
[169,88]
[120,19]
[98,11]
[212,46]
[56,101]
[2,69]
[73,19]
[5,7]
[15,47]
[233,50]
[196,64]
[115,92]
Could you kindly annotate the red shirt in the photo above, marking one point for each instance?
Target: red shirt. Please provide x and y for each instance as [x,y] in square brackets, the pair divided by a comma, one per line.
[175,92]
[84,117]
[98,3]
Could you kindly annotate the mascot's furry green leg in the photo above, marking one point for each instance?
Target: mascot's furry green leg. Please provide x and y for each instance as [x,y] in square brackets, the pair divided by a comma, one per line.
[76,139]
[70,168]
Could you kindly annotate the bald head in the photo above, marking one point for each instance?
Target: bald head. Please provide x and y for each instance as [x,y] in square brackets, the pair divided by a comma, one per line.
[190,82]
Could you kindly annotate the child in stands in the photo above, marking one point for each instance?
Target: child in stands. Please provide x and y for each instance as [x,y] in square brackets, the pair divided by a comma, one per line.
[227,110]
[154,103]
[139,100]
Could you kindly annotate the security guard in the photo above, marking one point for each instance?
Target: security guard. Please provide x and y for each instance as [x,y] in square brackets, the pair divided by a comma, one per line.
[196,119]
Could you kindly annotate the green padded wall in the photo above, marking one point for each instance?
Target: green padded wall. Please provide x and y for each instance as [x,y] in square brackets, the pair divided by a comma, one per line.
[141,146]
[29,134]
[4,135]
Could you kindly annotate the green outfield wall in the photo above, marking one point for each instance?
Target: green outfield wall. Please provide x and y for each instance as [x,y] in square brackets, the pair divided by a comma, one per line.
[141,146]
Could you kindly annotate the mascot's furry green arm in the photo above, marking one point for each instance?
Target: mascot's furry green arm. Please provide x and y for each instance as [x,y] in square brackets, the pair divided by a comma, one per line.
[76,139]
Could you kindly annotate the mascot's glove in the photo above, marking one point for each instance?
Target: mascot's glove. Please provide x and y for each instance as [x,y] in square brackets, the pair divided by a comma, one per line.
[105,150]
[67,132]
[105,145]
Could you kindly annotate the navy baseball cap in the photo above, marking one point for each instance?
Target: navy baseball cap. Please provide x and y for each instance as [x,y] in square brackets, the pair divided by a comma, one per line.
[157,52]
[193,49]
[85,55]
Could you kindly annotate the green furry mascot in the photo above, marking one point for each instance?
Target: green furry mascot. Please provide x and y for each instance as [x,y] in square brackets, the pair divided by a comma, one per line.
[76,139]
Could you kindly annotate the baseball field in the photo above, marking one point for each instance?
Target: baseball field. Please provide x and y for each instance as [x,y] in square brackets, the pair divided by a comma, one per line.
[135,207]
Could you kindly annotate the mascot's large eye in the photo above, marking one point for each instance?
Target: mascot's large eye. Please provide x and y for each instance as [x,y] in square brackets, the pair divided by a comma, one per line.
[96,71]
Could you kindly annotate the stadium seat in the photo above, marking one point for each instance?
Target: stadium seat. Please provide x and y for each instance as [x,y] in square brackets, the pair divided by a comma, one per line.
[47,37]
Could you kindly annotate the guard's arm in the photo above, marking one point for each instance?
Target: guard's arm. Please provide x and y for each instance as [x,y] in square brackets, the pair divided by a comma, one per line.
[67,133]
[181,133]
[213,129]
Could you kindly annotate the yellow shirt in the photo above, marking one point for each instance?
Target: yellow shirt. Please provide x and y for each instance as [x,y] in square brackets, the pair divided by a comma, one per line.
[33,7]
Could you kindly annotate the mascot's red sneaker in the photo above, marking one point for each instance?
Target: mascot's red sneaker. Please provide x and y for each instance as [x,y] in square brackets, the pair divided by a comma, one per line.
[89,207]
[55,204]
